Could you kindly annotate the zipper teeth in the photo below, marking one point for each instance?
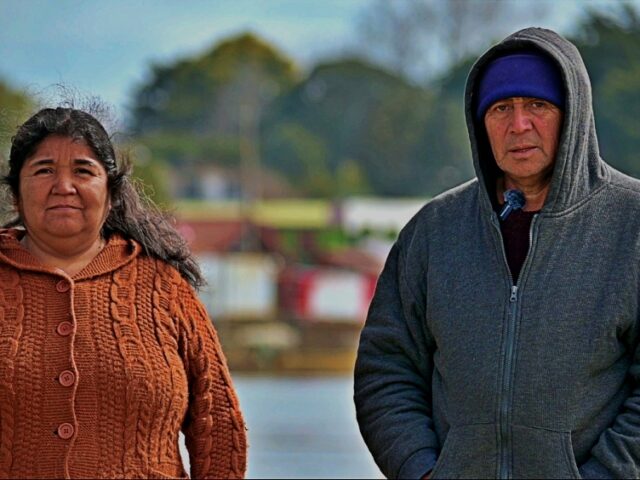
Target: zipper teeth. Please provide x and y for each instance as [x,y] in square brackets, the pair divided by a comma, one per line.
[504,470]
[506,381]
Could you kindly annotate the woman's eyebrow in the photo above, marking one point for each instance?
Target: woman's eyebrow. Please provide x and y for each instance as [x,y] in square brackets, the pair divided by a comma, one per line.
[41,161]
[85,161]
[49,161]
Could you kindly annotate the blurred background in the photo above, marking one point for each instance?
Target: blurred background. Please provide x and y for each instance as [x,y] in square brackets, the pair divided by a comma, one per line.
[291,140]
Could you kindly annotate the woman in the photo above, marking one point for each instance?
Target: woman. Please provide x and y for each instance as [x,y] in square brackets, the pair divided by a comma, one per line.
[105,351]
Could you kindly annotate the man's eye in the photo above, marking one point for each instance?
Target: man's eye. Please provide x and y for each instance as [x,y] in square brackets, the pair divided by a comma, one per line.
[502,107]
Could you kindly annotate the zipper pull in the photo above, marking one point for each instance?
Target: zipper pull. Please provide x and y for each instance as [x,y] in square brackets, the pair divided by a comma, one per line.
[514,294]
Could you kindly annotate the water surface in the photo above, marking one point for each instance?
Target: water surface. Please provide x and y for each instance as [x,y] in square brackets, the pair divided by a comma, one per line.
[303,428]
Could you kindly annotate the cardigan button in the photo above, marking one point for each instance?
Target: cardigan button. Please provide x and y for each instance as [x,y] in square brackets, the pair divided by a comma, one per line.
[65,431]
[67,378]
[63,286]
[64,329]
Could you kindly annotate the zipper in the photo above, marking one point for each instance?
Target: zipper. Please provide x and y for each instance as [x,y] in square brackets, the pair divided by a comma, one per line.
[504,441]
[505,437]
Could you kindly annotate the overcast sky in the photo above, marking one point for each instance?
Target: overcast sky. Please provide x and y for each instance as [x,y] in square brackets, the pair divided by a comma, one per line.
[105,47]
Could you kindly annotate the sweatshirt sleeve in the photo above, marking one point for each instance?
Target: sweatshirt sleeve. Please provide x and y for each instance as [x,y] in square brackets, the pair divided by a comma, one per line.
[214,428]
[617,452]
[392,388]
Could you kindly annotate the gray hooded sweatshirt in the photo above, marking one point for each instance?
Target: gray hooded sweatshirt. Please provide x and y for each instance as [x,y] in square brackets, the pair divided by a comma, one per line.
[463,372]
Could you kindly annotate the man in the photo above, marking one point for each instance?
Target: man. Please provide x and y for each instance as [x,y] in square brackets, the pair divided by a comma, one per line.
[503,342]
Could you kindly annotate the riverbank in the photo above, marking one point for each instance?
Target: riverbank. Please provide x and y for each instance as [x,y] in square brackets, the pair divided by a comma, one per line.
[278,347]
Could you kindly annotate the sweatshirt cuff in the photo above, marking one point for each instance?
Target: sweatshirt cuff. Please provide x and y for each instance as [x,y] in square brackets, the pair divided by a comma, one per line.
[418,464]
[593,469]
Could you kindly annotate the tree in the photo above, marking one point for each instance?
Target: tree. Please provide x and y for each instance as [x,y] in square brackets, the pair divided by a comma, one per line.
[420,39]
[207,109]
[15,107]
[375,128]
[609,42]
[208,93]
[302,156]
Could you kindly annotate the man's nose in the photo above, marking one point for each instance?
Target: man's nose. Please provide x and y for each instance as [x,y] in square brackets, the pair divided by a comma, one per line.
[63,184]
[520,120]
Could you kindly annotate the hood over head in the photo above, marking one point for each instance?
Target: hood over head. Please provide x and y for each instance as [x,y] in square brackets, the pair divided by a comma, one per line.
[578,169]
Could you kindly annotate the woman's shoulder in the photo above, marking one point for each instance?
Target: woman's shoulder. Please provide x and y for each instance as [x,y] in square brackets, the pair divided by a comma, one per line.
[11,250]
[167,277]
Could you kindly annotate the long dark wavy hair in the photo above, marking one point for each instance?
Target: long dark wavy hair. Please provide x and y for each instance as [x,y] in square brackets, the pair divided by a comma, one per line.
[132,214]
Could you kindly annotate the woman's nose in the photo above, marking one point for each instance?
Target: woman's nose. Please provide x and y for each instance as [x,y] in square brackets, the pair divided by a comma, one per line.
[63,184]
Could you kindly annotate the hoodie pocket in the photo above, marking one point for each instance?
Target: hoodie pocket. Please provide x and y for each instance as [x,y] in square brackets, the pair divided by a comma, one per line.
[469,451]
[540,453]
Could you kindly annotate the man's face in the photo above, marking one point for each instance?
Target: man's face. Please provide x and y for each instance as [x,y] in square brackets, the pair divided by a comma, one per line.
[524,134]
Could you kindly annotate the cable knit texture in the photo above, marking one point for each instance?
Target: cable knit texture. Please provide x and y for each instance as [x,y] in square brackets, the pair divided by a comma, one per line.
[99,372]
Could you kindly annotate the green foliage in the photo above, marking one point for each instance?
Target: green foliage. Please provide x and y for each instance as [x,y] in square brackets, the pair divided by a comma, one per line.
[15,107]
[178,149]
[445,147]
[370,121]
[293,150]
[332,239]
[151,175]
[202,111]
[351,179]
[609,45]
[348,128]
[353,128]
[212,92]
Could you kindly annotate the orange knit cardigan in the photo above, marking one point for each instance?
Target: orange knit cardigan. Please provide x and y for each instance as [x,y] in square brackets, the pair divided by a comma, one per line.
[99,372]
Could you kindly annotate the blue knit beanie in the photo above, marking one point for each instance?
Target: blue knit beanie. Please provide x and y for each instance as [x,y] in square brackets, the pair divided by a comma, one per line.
[528,74]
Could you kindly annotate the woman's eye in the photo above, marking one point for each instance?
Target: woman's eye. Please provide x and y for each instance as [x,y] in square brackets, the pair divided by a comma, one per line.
[41,171]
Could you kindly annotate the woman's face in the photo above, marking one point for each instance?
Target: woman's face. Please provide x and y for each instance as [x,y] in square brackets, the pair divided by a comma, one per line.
[63,192]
